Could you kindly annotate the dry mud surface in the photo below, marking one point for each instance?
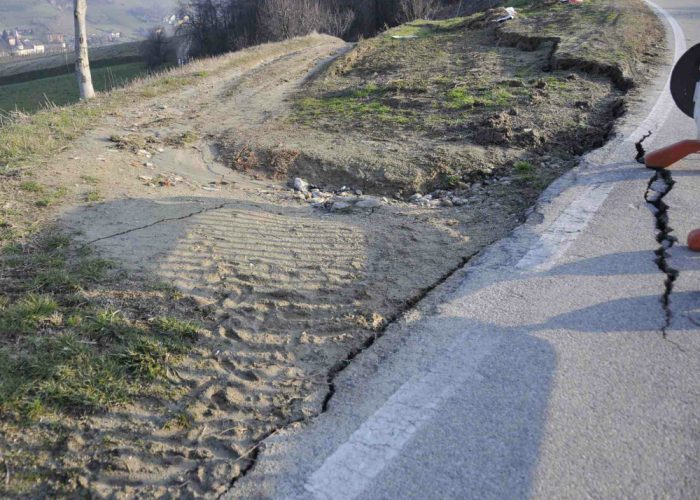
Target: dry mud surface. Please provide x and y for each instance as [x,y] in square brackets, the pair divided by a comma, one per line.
[288,292]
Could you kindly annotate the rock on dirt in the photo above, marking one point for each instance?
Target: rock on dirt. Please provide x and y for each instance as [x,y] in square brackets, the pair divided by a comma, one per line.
[301,185]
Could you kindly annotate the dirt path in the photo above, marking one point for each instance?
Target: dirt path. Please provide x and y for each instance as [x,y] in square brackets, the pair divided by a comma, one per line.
[289,292]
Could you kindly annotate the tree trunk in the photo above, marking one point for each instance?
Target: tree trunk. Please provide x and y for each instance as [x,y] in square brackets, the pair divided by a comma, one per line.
[82,64]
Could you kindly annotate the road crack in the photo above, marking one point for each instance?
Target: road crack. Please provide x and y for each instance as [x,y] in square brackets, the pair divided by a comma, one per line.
[658,188]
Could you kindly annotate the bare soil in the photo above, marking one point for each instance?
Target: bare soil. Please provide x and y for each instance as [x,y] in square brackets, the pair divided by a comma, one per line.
[194,200]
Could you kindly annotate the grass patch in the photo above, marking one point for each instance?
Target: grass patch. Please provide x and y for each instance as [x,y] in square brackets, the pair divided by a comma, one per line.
[62,353]
[93,196]
[31,187]
[349,107]
[183,139]
[460,98]
[90,179]
[29,97]
[524,167]
[51,197]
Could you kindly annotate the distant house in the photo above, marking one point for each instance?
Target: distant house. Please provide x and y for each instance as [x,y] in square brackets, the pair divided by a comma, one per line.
[55,38]
[27,48]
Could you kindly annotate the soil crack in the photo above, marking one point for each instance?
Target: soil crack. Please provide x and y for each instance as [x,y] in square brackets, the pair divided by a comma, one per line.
[341,365]
[169,219]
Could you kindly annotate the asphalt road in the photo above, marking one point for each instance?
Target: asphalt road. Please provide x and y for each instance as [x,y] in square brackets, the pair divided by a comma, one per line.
[540,370]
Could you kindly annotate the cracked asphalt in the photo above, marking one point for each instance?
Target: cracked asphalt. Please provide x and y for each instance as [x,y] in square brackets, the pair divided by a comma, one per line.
[541,369]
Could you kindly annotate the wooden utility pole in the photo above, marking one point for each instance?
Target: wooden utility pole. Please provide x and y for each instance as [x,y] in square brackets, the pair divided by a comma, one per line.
[82,63]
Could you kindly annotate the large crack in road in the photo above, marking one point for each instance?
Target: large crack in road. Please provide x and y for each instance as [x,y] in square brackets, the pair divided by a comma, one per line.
[660,184]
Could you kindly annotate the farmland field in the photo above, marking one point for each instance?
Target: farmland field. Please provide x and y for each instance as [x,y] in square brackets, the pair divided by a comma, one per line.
[60,90]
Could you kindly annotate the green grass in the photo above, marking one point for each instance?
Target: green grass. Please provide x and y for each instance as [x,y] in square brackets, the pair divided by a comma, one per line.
[355,106]
[29,97]
[51,197]
[31,187]
[93,196]
[62,354]
[494,97]
[90,179]
[183,139]
[424,28]
[524,167]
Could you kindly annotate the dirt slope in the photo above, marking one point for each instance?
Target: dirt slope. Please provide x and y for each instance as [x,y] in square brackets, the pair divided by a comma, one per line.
[286,291]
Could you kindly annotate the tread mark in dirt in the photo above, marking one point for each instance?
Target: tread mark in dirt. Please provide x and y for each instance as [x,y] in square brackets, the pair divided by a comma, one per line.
[658,187]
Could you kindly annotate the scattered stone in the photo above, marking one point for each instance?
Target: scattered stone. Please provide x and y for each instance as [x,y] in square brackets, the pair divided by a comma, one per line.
[415,198]
[369,202]
[300,185]
[445,202]
[148,164]
[341,206]
[358,192]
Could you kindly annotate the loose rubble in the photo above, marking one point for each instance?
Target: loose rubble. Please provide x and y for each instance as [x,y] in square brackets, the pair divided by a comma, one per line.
[347,199]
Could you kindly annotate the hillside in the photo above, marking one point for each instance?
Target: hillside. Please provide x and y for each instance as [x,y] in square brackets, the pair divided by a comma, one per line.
[189,261]
[104,16]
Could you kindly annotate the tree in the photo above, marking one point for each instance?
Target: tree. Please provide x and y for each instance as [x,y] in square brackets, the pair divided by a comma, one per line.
[411,10]
[155,48]
[82,63]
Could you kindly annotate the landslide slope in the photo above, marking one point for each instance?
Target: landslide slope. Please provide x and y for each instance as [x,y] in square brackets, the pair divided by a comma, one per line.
[440,104]
[165,304]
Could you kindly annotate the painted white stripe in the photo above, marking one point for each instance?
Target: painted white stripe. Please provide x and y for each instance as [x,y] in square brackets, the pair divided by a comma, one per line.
[557,239]
[563,232]
[352,467]
[346,473]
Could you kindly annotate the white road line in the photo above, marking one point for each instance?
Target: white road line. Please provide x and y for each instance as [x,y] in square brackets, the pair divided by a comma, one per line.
[352,467]
[557,239]
[561,234]
[347,472]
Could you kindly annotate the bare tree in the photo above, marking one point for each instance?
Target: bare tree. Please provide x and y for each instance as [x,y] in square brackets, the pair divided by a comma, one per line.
[282,19]
[410,10]
[338,22]
[82,63]
[155,48]
[278,19]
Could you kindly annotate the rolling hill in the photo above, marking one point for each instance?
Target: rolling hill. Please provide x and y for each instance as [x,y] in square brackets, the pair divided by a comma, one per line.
[126,16]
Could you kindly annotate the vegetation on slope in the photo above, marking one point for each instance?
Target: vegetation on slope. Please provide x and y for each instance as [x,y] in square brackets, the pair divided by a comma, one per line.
[545,85]
[31,96]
